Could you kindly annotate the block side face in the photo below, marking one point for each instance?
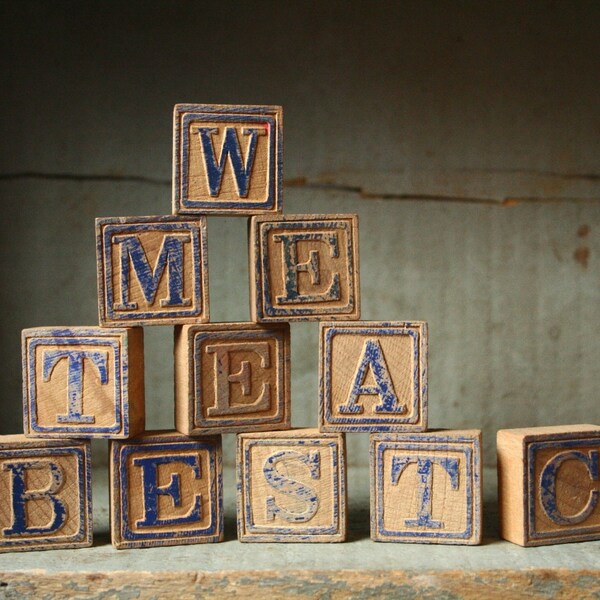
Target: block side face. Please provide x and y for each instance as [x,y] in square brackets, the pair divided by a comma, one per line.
[134,400]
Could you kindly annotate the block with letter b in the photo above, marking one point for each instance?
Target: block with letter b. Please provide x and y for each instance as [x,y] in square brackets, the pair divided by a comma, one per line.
[291,486]
[227,159]
[83,382]
[152,270]
[166,489]
[304,267]
[426,487]
[549,484]
[232,377]
[45,494]
[373,376]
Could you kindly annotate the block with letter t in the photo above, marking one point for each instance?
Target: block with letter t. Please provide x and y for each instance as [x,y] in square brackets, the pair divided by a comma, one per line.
[83,382]
[152,270]
[166,489]
[227,159]
[45,494]
[426,487]
[304,267]
[291,486]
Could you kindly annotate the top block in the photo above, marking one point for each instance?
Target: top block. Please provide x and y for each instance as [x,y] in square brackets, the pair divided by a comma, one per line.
[227,159]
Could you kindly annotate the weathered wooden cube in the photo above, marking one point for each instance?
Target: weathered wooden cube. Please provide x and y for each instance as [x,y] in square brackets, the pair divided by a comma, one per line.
[83,382]
[426,487]
[291,486]
[227,159]
[152,270]
[373,376]
[232,377]
[548,480]
[166,489]
[304,267]
[45,494]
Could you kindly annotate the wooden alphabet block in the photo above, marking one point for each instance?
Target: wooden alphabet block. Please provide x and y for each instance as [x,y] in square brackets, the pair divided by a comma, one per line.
[45,494]
[373,376]
[227,159]
[291,486]
[152,270]
[83,382]
[426,487]
[232,377]
[166,489]
[549,484]
[304,267]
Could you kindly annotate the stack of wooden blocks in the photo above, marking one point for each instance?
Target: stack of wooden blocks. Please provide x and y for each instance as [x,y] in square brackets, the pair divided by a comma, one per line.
[81,383]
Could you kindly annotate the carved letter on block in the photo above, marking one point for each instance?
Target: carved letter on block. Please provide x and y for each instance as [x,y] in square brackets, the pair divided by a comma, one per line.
[373,376]
[232,377]
[45,494]
[152,270]
[304,267]
[426,487]
[549,484]
[291,486]
[83,382]
[227,159]
[166,489]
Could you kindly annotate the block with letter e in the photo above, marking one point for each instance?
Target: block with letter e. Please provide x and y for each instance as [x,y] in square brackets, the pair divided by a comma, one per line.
[426,487]
[232,377]
[304,267]
[549,484]
[227,159]
[373,376]
[152,270]
[45,494]
[166,489]
[83,382]
[291,486]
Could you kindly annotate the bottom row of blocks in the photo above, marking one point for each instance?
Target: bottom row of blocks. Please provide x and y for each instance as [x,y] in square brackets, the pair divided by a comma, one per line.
[166,488]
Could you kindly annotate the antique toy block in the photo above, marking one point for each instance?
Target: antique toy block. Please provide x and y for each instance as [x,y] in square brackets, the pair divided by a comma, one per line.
[227,159]
[166,489]
[304,267]
[45,494]
[152,270]
[83,382]
[426,487]
[291,486]
[373,376]
[548,484]
[232,377]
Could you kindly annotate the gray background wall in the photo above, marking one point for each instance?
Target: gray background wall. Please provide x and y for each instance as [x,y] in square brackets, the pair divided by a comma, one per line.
[465,135]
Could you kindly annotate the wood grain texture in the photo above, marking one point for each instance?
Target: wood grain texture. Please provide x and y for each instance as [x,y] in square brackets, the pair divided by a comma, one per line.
[304,267]
[427,487]
[291,486]
[548,484]
[152,270]
[373,376]
[83,382]
[166,489]
[227,159]
[232,377]
[45,494]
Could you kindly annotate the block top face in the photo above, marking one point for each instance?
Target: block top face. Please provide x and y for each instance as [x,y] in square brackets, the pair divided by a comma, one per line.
[152,270]
[304,267]
[227,159]
[373,376]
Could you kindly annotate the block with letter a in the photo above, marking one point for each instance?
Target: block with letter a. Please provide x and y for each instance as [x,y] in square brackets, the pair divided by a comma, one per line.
[549,484]
[166,489]
[45,494]
[227,159]
[232,377]
[304,267]
[152,270]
